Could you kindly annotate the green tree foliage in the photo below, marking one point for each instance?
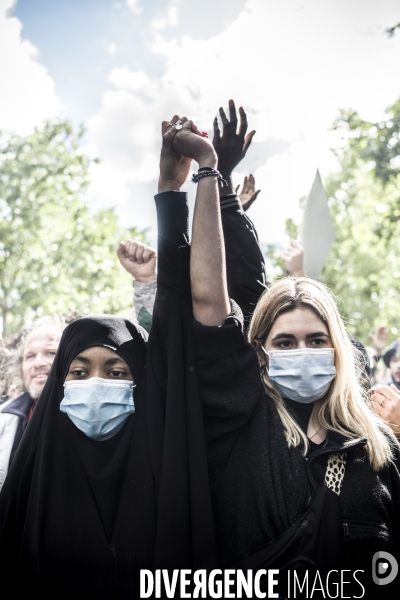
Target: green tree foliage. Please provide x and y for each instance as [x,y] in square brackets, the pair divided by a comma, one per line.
[363,267]
[56,255]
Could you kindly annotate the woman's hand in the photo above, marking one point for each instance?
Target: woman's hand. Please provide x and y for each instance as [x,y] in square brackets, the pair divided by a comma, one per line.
[174,167]
[138,259]
[190,142]
[385,400]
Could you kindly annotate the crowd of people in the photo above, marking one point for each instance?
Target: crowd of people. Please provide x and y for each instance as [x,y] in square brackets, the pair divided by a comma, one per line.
[235,426]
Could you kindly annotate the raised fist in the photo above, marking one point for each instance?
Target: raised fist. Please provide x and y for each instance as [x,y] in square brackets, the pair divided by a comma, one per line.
[138,259]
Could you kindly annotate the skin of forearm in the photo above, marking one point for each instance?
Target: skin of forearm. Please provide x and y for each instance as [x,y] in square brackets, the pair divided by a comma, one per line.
[207,263]
[166,185]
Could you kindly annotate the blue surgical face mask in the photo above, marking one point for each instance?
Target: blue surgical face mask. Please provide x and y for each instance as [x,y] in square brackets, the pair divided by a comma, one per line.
[98,407]
[303,375]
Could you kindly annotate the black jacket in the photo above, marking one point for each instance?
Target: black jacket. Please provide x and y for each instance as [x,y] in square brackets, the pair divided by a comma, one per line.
[19,407]
[245,268]
[259,486]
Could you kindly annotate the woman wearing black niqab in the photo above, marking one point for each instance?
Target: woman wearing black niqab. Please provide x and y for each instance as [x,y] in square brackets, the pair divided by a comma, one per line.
[78,516]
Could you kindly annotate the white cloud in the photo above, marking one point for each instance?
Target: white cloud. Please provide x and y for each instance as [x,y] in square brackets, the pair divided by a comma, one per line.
[126,134]
[170,19]
[291,69]
[133,6]
[124,78]
[7,5]
[111,48]
[27,94]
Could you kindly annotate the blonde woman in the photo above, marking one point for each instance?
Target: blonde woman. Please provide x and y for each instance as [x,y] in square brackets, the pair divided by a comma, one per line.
[292,445]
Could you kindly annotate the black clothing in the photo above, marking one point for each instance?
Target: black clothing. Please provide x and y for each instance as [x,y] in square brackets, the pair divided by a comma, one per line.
[185,527]
[77,516]
[19,407]
[245,268]
[179,456]
[313,446]
[245,265]
[302,548]
[260,486]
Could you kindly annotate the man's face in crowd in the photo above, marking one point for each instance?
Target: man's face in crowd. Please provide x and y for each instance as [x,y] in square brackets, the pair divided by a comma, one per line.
[395,367]
[40,350]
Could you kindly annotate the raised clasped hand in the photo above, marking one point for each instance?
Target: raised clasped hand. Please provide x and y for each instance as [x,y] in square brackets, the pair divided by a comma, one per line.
[174,167]
[189,141]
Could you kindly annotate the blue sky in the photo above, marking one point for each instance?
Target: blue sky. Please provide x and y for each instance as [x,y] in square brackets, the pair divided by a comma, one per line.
[75,38]
[122,67]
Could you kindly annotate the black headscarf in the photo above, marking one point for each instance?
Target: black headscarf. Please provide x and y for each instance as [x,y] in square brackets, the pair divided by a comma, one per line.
[78,516]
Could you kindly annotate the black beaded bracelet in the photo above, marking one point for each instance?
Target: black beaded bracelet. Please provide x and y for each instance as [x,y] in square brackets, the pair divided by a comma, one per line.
[208,173]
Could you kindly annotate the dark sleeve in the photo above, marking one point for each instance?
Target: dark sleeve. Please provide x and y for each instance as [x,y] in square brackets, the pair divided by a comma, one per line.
[174,410]
[245,265]
[173,246]
[173,230]
[172,218]
[22,423]
[229,376]
[227,365]
[395,472]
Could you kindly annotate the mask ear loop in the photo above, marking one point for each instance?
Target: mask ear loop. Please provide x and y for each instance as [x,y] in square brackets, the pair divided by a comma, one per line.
[265,366]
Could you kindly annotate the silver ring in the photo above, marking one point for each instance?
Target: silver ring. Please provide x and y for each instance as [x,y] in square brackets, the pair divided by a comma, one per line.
[179,125]
[171,125]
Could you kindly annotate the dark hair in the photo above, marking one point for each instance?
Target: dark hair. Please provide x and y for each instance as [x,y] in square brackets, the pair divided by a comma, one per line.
[390,352]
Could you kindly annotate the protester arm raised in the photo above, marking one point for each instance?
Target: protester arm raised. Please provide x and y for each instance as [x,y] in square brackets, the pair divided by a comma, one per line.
[232,145]
[207,263]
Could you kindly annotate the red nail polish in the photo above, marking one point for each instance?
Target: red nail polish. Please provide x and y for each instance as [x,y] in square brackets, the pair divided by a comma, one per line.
[204,134]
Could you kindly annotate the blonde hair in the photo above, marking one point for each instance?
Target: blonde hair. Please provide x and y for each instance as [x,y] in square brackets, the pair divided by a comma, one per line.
[345,408]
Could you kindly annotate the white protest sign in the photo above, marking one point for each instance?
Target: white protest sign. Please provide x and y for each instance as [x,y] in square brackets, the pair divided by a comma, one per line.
[316,232]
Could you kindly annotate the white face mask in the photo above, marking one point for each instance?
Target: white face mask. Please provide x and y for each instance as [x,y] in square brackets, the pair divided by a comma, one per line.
[98,407]
[303,375]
